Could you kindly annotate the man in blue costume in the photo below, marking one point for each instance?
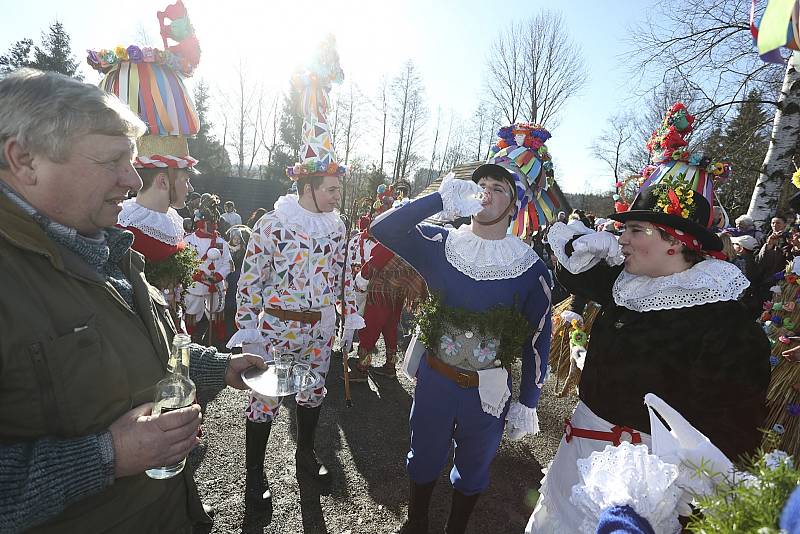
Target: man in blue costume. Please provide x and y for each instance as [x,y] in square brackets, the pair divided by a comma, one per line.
[491,305]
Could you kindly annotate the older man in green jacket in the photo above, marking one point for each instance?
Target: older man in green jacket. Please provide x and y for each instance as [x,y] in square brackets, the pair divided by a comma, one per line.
[83,336]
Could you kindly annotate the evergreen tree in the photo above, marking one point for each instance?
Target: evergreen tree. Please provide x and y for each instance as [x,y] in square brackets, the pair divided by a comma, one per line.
[212,156]
[54,54]
[742,143]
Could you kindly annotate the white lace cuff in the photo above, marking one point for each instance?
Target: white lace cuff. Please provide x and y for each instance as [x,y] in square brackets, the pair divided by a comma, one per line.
[627,475]
[524,418]
[354,321]
[245,336]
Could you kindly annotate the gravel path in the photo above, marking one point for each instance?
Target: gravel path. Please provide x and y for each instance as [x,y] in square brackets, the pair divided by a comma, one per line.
[364,447]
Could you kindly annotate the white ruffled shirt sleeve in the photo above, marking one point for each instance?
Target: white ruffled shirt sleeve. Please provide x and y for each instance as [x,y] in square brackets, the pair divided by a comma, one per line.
[245,337]
[628,475]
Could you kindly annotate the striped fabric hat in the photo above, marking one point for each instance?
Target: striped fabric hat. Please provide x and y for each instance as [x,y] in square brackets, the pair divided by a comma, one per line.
[150,82]
[160,152]
[521,150]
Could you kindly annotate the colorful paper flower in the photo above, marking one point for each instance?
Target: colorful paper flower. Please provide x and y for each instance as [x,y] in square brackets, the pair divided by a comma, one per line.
[778,428]
[793,409]
[773,361]
[449,346]
[796,178]
[135,54]
[485,351]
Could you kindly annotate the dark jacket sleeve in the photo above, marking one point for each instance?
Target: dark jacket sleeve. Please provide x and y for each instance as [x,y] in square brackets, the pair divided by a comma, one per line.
[594,284]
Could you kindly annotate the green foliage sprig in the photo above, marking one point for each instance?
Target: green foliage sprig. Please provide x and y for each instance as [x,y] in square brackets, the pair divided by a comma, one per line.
[751,502]
[175,270]
[505,323]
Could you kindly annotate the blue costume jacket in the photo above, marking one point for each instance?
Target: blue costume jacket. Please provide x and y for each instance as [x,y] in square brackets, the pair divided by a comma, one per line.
[442,410]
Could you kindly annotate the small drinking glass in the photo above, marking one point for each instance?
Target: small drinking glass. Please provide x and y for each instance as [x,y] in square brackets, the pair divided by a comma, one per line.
[479,196]
[302,375]
[283,364]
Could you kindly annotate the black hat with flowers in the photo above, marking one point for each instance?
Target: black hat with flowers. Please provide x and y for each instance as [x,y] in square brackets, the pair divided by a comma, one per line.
[677,191]
[687,212]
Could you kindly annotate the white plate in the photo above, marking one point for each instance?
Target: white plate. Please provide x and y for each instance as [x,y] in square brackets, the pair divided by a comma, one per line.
[266,382]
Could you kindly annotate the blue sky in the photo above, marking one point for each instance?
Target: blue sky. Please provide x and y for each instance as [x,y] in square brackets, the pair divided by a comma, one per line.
[448,40]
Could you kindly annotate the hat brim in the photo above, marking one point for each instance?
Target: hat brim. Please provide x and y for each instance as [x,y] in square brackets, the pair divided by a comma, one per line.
[708,239]
[493,170]
[496,172]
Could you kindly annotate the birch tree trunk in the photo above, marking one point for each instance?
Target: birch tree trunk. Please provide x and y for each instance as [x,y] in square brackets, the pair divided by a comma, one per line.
[778,166]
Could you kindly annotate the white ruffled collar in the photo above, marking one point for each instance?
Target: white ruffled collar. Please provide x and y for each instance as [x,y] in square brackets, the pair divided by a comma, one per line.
[487,259]
[165,227]
[289,212]
[706,282]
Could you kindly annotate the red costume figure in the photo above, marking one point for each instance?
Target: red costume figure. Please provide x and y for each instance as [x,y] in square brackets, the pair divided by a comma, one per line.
[391,284]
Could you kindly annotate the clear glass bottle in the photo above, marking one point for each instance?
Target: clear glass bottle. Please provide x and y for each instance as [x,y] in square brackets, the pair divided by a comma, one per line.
[174,391]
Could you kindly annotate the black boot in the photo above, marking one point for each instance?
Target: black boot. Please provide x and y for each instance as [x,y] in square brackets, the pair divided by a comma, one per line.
[256,437]
[459,512]
[306,458]
[417,522]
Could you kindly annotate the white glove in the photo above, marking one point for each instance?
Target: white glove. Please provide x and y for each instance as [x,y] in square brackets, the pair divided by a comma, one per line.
[347,340]
[458,197]
[521,420]
[599,244]
[361,282]
[515,433]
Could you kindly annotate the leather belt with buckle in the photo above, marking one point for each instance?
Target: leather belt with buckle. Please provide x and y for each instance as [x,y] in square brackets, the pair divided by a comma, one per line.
[308,316]
[462,377]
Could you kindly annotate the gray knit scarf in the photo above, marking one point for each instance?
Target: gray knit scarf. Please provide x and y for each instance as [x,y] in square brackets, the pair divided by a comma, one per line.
[102,251]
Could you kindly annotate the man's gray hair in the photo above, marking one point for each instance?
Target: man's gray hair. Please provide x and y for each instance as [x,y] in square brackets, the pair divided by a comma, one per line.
[46,111]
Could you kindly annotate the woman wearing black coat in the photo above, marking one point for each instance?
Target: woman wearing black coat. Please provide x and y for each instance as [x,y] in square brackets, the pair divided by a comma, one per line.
[670,324]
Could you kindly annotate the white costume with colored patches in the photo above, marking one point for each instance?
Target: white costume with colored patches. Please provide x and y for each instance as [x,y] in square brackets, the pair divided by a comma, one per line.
[294,262]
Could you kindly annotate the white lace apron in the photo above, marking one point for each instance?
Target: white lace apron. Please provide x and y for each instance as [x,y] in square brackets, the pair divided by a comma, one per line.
[554,513]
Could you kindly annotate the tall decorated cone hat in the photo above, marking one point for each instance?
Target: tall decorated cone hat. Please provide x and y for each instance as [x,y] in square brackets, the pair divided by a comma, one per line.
[521,151]
[150,81]
[677,190]
[314,84]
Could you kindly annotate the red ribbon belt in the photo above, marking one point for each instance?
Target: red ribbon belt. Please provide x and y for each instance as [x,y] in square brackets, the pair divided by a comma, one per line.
[614,436]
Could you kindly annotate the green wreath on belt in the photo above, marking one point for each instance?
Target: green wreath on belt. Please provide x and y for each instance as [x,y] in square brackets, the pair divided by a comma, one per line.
[505,323]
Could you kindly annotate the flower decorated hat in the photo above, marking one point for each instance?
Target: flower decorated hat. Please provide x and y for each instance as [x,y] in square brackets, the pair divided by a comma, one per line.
[314,84]
[677,190]
[525,162]
[150,82]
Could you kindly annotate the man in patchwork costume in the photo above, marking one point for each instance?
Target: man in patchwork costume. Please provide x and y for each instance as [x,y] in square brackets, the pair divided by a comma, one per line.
[291,281]
[490,306]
